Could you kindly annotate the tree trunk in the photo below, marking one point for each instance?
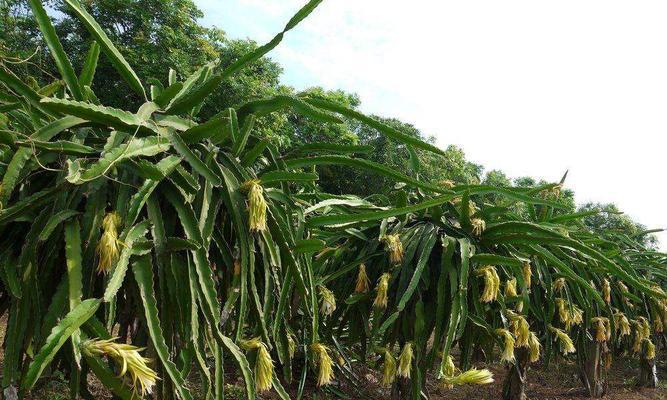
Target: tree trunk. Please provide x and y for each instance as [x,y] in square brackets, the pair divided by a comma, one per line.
[648,373]
[592,364]
[514,387]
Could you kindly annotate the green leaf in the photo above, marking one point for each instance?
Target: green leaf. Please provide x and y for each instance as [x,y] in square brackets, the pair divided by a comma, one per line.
[56,49]
[89,67]
[136,147]
[108,47]
[118,273]
[339,219]
[107,116]
[195,162]
[59,335]
[143,274]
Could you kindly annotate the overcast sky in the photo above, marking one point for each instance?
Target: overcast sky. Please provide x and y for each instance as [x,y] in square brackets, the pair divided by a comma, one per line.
[528,87]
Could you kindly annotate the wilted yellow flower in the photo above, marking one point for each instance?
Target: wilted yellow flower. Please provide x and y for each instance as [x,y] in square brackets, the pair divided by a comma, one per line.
[362,280]
[534,347]
[108,247]
[382,288]
[527,274]
[447,183]
[491,283]
[601,329]
[388,369]
[649,354]
[291,345]
[508,345]
[657,324]
[558,284]
[478,226]
[405,361]
[569,314]
[394,247]
[622,324]
[520,327]
[448,367]
[327,301]
[128,359]
[510,288]
[256,205]
[606,291]
[470,377]
[325,370]
[263,365]
[564,341]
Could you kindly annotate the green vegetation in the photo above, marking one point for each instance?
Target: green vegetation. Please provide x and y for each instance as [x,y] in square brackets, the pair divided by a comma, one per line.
[190,205]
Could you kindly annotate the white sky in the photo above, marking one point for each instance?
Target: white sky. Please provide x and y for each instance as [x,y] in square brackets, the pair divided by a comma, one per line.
[528,87]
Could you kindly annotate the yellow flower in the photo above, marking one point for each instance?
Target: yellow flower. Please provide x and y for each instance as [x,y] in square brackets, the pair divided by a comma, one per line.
[510,288]
[606,291]
[447,183]
[558,284]
[128,359]
[263,365]
[108,247]
[478,226]
[470,377]
[534,346]
[325,370]
[388,368]
[394,247]
[527,274]
[405,360]
[382,288]
[508,348]
[569,314]
[491,283]
[362,280]
[520,327]
[650,349]
[622,324]
[291,345]
[601,334]
[327,300]
[256,205]
[564,341]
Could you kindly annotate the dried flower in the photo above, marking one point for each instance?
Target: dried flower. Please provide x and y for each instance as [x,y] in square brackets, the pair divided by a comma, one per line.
[508,345]
[558,285]
[405,361]
[362,280]
[520,327]
[564,341]
[478,226]
[534,346]
[327,301]
[527,274]
[622,324]
[394,247]
[382,288]
[491,283]
[606,291]
[388,369]
[510,288]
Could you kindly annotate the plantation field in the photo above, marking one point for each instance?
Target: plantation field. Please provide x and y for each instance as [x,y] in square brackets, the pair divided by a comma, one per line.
[170,243]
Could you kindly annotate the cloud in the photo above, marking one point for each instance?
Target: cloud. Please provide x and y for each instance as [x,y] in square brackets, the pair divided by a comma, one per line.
[532,88]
